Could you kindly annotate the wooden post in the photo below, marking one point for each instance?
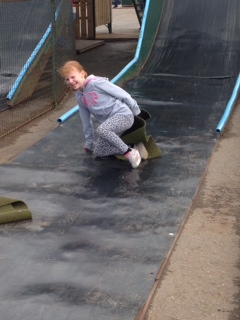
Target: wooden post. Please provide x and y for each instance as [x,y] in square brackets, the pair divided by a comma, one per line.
[91,14]
[91,18]
[76,6]
[103,13]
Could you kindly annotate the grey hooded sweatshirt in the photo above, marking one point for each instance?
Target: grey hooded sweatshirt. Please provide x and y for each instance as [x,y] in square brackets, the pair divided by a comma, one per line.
[102,99]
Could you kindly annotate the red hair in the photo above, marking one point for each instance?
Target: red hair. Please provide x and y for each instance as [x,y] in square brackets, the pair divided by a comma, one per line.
[70,66]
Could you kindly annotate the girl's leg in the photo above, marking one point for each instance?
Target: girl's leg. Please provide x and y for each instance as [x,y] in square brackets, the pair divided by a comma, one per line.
[109,141]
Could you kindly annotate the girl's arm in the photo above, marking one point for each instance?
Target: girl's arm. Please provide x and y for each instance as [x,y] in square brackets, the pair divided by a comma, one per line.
[87,128]
[119,93]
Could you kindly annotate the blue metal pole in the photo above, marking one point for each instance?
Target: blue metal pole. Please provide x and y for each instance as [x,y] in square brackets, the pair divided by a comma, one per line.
[68,114]
[229,107]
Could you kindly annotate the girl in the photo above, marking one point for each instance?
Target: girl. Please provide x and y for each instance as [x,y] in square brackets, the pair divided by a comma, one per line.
[113,107]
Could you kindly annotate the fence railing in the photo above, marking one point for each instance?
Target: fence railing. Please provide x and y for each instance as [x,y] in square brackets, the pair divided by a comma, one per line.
[36,38]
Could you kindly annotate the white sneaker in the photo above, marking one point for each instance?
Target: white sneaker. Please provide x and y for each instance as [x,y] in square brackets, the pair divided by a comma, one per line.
[142,150]
[134,158]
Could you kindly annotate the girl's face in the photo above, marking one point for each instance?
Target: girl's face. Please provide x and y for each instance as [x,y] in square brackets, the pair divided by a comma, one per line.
[76,79]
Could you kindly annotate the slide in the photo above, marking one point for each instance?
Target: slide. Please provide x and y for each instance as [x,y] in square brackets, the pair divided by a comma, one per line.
[192,69]
[100,231]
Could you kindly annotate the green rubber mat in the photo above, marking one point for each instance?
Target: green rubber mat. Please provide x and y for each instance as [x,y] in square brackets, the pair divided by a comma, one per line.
[13,210]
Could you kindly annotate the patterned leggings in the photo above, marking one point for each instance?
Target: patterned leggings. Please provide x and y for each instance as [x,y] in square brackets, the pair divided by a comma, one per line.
[109,141]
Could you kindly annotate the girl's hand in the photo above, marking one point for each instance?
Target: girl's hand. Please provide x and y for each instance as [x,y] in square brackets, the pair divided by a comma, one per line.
[87,150]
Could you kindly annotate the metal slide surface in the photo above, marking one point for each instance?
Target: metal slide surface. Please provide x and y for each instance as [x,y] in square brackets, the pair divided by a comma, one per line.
[100,230]
[192,69]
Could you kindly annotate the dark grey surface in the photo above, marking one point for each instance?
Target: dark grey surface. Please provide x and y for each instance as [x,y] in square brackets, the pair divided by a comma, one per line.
[100,229]
[192,69]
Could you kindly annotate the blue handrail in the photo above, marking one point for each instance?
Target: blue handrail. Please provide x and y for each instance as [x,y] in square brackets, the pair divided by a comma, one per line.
[230,105]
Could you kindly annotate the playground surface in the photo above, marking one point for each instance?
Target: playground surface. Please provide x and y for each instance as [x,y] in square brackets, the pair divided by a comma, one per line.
[199,280]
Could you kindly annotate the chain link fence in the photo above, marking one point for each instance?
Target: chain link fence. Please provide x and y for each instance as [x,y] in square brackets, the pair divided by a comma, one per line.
[37,37]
